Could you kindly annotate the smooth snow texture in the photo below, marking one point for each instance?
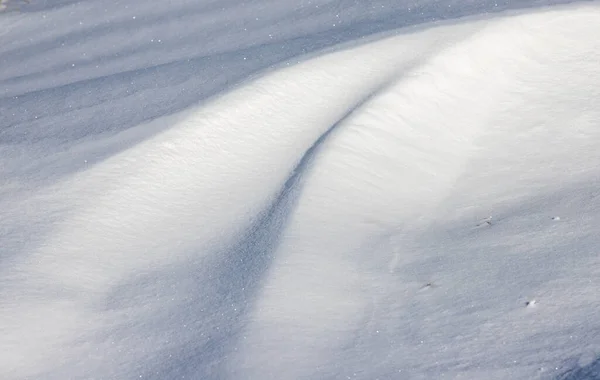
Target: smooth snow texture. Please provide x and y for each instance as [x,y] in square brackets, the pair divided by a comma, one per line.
[324,220]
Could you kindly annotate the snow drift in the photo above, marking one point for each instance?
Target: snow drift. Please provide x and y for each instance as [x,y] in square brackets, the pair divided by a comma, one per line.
[321,221]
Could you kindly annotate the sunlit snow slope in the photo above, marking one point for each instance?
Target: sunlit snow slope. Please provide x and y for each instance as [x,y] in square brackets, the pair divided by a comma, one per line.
[325,219]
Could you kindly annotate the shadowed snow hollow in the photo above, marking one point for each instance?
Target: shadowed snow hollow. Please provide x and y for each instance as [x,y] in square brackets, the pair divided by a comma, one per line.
[324,221]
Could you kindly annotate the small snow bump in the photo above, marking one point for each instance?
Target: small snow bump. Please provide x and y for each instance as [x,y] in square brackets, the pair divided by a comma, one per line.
[485,222]
[557,218]
[532,303]
[427,286]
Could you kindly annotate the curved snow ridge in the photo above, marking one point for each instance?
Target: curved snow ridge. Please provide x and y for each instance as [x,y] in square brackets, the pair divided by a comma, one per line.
[180,198]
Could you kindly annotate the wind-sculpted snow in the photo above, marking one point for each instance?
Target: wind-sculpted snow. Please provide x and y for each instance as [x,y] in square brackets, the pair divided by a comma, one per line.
[323,220]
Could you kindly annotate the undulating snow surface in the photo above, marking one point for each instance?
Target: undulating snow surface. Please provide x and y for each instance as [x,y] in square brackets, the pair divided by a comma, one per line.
[195,189]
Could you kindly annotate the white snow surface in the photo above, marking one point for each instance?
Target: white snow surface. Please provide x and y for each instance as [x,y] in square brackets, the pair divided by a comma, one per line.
[299,190]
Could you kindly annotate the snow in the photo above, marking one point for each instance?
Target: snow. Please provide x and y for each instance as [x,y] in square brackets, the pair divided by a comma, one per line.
[316,189]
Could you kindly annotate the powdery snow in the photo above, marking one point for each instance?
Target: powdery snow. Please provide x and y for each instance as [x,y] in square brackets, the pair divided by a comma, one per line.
[420,204]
